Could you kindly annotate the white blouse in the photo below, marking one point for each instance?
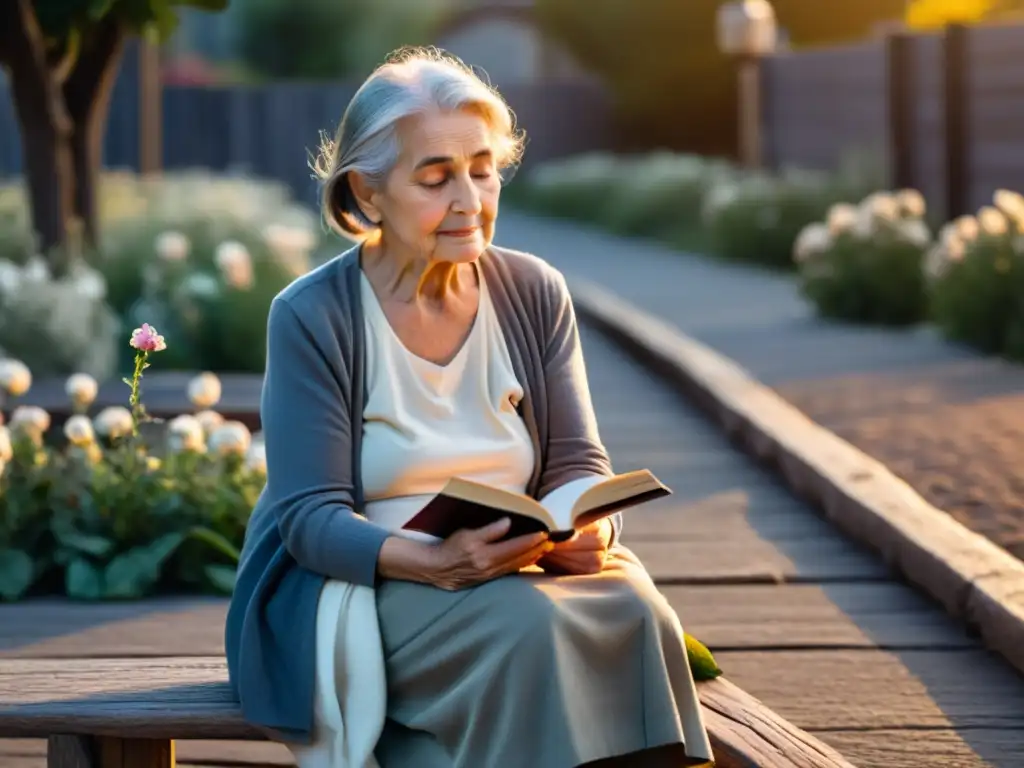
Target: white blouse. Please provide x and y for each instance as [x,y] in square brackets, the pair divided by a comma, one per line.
[425,423]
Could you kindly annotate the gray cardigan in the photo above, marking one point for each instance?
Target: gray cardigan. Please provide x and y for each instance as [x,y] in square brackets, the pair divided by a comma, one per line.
[306,525]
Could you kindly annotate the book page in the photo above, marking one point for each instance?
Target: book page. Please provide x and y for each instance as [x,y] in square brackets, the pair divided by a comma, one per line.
[559,502]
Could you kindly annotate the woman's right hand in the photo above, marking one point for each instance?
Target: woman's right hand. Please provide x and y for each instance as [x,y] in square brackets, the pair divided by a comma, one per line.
[472,556]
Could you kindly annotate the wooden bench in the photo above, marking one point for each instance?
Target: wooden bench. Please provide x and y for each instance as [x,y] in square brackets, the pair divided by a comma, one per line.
[126,713]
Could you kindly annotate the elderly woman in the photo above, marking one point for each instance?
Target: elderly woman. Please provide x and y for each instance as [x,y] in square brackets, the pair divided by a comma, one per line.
[423,353]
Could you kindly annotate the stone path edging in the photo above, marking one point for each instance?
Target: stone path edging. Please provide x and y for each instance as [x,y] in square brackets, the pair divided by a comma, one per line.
[976,581]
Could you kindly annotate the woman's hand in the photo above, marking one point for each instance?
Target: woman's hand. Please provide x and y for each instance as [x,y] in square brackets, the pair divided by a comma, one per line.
[582,554]
[471,556]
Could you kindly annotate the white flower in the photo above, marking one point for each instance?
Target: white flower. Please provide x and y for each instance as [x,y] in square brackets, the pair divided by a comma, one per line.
[915,231]
[113,422]
[30,418]
[1012,206]
[36,270]
[881,206]
[10,276]
[185,433]
[911,203]
[992,221]
[172,246]
[6,448]
[291,246]
[81,388]
[79,431]
[230,437]
[235,264]
[256,457]
[841,218]
[90,284]
[210,421]
[15,377]
[813,240]
[204,390]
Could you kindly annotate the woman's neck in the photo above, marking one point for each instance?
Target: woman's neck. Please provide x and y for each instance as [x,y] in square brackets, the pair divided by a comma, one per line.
[411,277]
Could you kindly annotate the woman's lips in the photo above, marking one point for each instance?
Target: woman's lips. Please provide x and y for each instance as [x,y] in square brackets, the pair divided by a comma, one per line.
[465,232]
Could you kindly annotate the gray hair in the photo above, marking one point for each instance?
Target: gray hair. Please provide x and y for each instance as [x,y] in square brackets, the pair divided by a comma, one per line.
[412,80]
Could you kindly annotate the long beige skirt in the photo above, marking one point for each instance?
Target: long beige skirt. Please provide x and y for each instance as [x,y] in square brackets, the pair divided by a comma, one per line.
[536,671]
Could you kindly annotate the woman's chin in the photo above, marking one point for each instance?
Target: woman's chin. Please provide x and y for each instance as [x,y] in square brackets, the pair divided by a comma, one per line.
[461,252]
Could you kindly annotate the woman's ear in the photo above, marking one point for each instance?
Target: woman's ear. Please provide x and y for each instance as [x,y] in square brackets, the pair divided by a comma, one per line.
[365,196]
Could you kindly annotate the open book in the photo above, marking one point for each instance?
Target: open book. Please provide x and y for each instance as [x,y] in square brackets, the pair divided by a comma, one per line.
[467,504]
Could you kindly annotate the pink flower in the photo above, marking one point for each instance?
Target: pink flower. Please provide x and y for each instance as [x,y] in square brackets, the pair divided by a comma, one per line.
[146,339]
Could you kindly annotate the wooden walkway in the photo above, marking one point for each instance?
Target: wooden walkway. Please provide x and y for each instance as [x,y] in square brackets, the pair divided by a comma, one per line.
[797,616]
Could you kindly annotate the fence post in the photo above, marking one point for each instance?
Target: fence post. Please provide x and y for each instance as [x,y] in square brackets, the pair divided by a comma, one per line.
[956,118]
[901,90]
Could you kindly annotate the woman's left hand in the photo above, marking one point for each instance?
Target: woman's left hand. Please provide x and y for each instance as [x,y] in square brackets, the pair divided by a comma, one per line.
[583,553]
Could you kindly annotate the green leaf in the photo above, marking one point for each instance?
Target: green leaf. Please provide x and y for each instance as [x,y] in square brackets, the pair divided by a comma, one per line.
[97,546]
[16,573]
[702,662]
[83,580]
[221,577]
[99,8]
[215,540]
[130,575]
[134,573]
[206,5]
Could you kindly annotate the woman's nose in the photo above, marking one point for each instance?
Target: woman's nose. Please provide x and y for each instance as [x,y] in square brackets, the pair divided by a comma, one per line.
[467,197]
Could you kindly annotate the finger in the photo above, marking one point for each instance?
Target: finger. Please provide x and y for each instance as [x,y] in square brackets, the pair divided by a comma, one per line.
[493,531]
[513,548]
[525,559]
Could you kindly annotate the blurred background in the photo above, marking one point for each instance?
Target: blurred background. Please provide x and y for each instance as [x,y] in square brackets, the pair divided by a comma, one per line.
[859,160]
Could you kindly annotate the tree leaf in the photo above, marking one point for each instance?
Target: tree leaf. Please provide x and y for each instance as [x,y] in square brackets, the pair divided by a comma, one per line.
[221,577]
[164,547]
[83,580]
[16,573]
[99,8]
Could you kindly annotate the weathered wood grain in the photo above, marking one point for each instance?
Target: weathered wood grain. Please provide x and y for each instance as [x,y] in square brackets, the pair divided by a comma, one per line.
[876,689]
[155,699]
[757,561]
[188,752]
[943,747]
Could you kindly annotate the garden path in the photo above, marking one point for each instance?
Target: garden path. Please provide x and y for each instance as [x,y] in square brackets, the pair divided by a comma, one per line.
[947,420]
[797,615]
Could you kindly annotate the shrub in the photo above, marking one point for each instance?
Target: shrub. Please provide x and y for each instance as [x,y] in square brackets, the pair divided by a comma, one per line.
[199,254]
[864,263]
[103,512]
[976,272]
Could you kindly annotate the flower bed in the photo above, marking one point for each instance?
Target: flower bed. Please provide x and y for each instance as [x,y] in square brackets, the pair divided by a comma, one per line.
[864,263]
[690,201]
[200,256]
[121,505]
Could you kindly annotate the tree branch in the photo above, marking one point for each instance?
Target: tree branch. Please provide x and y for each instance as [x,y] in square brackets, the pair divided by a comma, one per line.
[22,44]
[95,68]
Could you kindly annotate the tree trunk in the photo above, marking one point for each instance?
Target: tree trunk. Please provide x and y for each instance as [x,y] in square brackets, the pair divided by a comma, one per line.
[87,93]
[45,129]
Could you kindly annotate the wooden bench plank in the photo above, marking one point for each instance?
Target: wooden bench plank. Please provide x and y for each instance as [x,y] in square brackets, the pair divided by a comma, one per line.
[173,697]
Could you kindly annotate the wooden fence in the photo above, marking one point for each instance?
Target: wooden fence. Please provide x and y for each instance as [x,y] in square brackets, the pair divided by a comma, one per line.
[269,130]
[944,111]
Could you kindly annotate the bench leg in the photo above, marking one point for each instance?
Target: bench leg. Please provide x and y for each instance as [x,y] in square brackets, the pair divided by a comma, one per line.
[108,752]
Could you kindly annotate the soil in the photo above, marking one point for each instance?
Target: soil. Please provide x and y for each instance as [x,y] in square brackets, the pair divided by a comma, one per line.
[954,432]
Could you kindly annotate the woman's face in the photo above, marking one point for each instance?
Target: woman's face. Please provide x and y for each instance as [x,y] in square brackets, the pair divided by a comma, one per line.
[441,199]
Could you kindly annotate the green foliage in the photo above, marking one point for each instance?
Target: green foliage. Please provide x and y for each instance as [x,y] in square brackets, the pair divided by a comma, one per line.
[977,291]
[864,264]
[115,524]
[312,39]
